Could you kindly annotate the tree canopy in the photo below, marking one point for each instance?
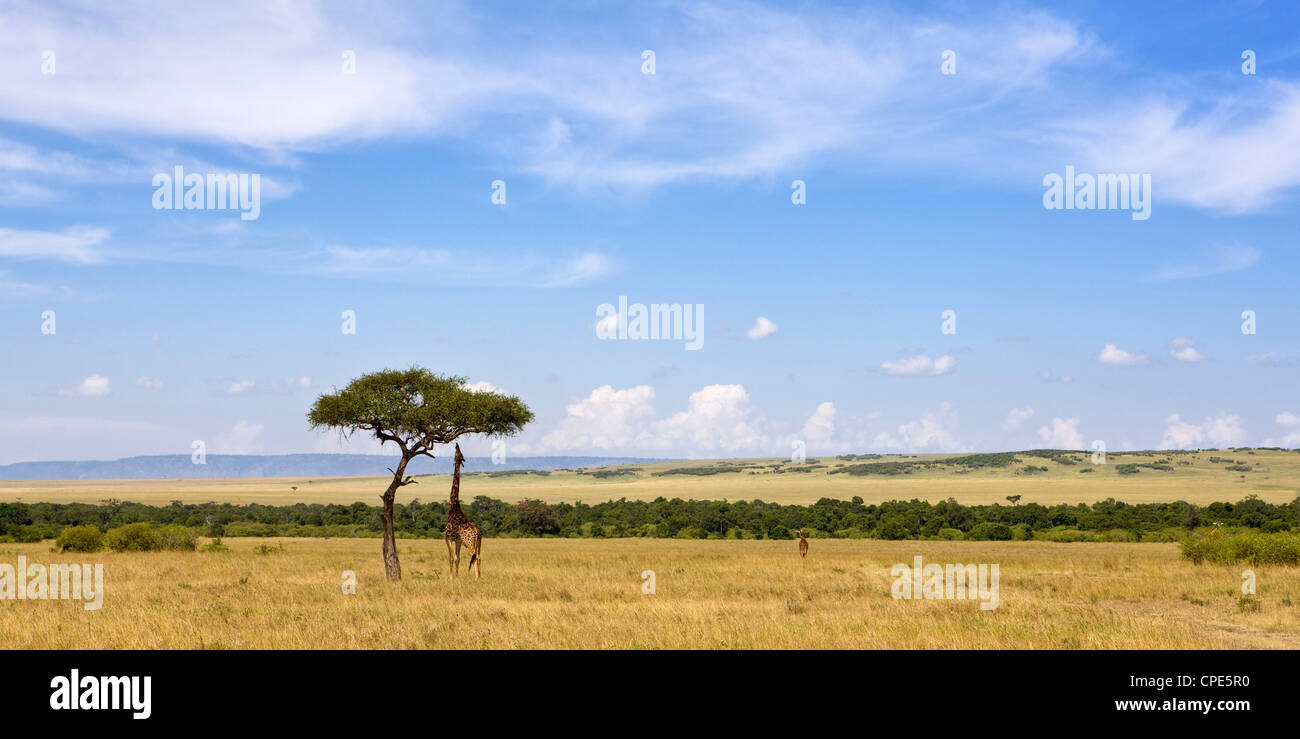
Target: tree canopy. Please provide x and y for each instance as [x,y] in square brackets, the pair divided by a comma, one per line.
[416,408]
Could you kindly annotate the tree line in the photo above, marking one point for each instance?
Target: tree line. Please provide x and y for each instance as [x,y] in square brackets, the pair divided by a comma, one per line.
[1108,520]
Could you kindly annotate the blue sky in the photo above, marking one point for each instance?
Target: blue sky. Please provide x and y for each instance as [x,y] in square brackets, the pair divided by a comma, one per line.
[924,193]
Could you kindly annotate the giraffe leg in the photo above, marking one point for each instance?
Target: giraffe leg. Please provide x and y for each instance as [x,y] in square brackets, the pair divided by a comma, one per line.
[451,558]
[456,562]
[476,555]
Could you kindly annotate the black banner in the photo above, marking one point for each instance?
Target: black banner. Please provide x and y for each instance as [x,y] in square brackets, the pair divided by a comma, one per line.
[297,689]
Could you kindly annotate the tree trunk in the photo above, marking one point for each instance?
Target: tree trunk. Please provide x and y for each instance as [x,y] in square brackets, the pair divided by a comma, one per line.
[392,567]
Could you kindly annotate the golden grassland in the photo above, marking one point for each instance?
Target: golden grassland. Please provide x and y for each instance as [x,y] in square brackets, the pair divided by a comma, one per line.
[1274,477]
[586,594]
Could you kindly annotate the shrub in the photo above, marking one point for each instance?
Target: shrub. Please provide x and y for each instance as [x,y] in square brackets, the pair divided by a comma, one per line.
[176,537]
[951,534]
[249,529]
[80,539]
[133,537]
[31,534]
[1255,549]
[990,531]
[215,546]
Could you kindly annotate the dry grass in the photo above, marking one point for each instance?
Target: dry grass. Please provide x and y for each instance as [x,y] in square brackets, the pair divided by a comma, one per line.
[1275,479]
[553,593]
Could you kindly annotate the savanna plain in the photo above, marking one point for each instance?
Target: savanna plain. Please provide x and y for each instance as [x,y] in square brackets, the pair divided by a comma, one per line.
[280,593]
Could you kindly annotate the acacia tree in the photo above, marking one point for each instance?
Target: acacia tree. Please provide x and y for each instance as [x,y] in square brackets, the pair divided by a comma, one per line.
[414,409]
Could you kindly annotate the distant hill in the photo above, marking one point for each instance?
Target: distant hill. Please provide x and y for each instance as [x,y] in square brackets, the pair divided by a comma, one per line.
[282,465]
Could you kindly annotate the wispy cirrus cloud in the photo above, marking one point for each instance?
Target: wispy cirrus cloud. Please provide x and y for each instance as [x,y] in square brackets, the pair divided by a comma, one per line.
[1216,262]
[76,244]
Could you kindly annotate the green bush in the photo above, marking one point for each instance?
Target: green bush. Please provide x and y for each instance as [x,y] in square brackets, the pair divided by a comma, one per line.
[215,546]
[133,537]
[31,534]
[80,539]
[990,531]
[951,534]
[1063,534]
[1255,549]
[176,537]
[249,529]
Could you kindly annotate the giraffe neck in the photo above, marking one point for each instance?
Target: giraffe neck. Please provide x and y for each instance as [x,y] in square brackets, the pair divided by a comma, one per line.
[455,487]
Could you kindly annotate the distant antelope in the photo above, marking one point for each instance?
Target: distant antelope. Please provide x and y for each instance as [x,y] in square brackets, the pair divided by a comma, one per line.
[803,543]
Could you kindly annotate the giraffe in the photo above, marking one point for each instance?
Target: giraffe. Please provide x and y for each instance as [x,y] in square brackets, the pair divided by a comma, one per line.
[460,529]
[803,544]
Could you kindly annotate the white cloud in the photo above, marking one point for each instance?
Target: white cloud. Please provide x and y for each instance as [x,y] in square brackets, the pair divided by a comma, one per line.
[304,382]
[933,431]
[761,329]
[149,383]
[1235,149]
[93,386]
[1222,260]
[1063,434]
[1291,426]
[1048,376]
[816,82]
[1223,430]
[1184,349]
[605,419]
[819,429]
[1016,418]
[244,438]
[71,245]
[1113,355]
[717,418]
[481,387]
[240,386]
[921,365]
[79,426]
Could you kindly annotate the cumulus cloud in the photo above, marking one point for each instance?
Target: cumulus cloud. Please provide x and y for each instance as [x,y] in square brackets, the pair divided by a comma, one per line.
[149,383]
[1016,417]
[933,431]
[761,329]
[819,429]
[1063,434]
[481,387]
[240,386]
[605,419]
[244,438]
[718,419]
[1113,355]
[1223,430]
[1184,350]
[1290,424]
[921,365]
[93,386]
